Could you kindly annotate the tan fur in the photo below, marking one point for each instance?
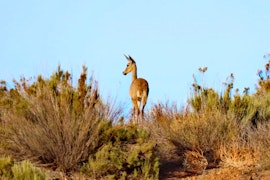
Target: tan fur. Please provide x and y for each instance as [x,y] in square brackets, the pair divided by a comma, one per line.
[138,90]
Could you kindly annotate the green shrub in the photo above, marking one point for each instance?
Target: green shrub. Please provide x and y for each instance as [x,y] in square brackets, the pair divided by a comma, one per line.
[259,109]
[240,107]
[25,170]
[5,167]
[207,100]
[128,154]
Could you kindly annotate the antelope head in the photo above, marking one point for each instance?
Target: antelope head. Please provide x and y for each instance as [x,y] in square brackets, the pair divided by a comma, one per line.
[131,66]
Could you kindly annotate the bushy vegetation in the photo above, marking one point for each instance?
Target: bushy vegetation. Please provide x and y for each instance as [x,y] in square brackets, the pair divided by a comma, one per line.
[59,126]
[56,125]
[23,170]
[228,128]
[129,154]
[53,123]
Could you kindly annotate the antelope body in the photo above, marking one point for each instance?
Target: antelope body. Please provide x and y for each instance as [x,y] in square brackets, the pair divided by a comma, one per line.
[138,90]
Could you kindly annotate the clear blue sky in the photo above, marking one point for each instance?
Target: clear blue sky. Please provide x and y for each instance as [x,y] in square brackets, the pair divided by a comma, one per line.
[169,39]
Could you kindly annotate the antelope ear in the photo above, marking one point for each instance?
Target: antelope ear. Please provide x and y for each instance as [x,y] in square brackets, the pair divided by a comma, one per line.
[126,57]
[131,59]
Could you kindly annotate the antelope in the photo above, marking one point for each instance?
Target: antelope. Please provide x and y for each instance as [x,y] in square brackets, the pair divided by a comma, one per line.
[138,90]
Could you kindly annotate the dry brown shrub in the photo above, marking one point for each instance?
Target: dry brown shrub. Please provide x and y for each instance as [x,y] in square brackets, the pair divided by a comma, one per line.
[218,136]
[158,124]
[54,124]
[259,139]
[238,155]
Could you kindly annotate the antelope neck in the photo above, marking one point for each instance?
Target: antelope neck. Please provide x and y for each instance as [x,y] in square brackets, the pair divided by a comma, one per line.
[134,74]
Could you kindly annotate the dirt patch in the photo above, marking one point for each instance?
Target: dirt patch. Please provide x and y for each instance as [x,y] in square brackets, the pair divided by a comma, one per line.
[173,172]
[172,169]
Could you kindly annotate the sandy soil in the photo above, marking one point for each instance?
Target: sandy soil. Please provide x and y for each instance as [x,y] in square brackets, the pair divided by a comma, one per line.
[172,171]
